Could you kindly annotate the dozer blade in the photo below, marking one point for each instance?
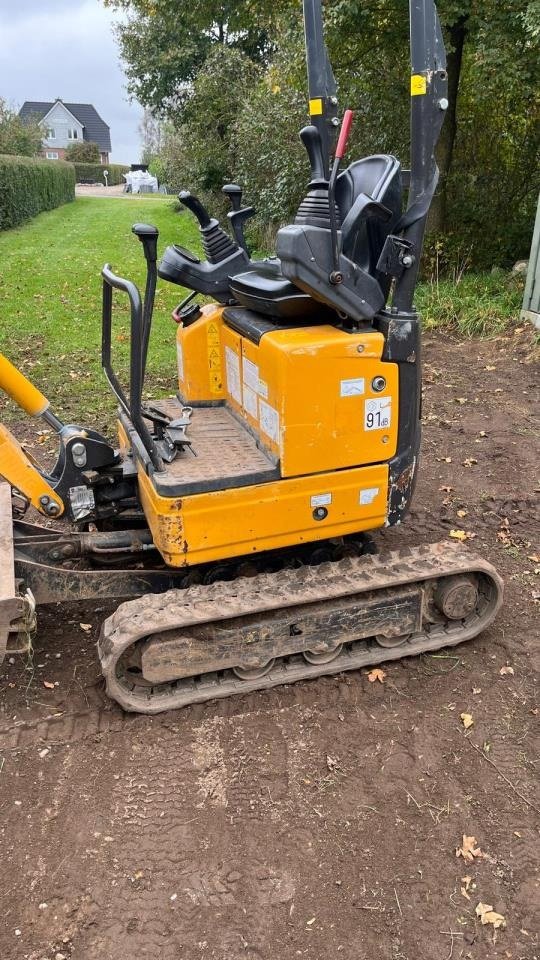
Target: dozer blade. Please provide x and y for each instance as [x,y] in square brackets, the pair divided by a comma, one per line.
[165,651]
[16,611]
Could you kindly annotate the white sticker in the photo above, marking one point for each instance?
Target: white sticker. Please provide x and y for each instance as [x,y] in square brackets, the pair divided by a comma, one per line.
[250,401]
[269,420]
[250,374]
[321,500]
[377,413]
[368,496]
[263,389]
[180,359]
[352,388]
[232,363]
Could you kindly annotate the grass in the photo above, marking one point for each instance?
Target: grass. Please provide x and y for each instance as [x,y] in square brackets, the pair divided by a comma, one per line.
[50,296]
[474,304]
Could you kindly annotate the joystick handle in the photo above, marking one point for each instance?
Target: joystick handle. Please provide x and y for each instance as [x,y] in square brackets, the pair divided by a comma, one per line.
[194,204]
[311,139]
[234,193]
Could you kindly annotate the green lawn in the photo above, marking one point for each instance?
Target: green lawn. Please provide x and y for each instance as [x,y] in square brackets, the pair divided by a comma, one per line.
[50,295]
[50,292]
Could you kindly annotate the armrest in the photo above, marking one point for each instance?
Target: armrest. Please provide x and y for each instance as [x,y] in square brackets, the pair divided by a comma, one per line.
[363,208]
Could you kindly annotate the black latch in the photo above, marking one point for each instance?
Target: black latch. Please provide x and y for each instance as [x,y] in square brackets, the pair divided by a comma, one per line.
[396,256]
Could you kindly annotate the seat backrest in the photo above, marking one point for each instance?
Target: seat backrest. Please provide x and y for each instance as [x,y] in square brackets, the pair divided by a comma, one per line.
[379,177]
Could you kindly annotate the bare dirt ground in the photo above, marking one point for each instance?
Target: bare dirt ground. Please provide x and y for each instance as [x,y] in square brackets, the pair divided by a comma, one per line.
[316,821]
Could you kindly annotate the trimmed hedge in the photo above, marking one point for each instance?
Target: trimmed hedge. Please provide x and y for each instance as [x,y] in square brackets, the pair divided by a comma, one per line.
[29,186]
[94,171]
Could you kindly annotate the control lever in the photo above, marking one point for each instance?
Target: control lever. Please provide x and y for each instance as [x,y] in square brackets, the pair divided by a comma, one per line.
[311,139]
[170,433]
[238,218]
[217,244]
[198,210]
[336,276]
[234,193]
[148,234]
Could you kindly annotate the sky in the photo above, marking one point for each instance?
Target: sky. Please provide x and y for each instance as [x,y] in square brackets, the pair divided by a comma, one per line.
[66,49]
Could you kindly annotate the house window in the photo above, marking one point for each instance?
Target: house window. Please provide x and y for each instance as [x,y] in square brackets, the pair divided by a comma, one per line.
[51,155]
[51,135]
[73,134]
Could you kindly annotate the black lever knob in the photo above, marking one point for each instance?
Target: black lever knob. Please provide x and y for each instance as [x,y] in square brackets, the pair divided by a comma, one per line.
[148,234]
[311,139]
[194,204]
[234,193]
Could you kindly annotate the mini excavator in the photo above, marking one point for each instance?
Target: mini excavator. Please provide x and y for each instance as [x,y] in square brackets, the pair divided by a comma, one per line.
[231,520]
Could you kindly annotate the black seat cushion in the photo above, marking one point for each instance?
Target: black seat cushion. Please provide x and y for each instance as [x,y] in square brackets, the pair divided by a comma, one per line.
[266,291]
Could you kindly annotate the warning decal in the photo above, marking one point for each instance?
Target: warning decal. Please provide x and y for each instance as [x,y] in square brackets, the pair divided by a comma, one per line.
[213,346]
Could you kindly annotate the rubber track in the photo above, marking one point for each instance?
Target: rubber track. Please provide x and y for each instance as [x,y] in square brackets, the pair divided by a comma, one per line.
[138,619]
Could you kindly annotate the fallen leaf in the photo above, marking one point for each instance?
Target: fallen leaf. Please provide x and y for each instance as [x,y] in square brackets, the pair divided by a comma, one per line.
[469,461]
[461,513]
[332,762]
[376,674]
[504,670]
[477,689]
[490,368]
[461,535]
[447,489]
[85,626]
[48,684]
[534,558]
[482,433]
[488,915]
[468,849]
[309,922]
[460,399]
[466,719]
[467,881]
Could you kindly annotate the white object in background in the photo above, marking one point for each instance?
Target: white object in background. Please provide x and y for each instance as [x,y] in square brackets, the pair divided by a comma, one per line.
[141,178]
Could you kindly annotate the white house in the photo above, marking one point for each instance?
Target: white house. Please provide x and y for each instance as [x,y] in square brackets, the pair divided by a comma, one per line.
[67,123]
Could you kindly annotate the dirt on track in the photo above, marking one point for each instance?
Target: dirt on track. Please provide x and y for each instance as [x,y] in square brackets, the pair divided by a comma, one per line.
[319,820]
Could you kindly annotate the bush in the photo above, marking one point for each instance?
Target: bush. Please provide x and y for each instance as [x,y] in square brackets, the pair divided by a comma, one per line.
[85,151]
[94,171]
[30,186]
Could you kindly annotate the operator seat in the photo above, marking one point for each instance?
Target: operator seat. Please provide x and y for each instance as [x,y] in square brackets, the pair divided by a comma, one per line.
[265,290]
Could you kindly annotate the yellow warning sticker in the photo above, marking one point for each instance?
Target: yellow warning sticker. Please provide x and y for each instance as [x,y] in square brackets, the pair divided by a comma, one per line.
[214,358]
[418,85]
[316,107]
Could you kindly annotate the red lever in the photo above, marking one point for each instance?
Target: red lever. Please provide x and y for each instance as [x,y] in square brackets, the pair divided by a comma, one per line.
[344,133]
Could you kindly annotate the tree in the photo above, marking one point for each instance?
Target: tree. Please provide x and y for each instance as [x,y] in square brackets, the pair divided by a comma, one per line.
[163,46]
[18,137]
[85,151]
[151,133]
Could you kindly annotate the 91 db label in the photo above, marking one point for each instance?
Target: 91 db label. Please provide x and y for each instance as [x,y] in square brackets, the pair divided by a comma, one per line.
[377,413]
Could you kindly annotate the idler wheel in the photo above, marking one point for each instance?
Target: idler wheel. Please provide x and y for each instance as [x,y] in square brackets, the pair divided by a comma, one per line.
[253,669]
[456,597]
[322,655]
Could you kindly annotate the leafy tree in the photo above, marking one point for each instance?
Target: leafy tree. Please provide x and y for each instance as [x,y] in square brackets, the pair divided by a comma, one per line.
[200,153]
[85,151]
[164,45]
[18,137]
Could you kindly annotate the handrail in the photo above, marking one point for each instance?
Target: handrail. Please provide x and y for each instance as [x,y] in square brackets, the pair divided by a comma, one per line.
[131,407]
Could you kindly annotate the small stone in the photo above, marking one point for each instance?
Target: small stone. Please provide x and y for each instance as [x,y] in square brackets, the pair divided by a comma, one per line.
[43,753]
[42,906]
[18,803]
[18,932]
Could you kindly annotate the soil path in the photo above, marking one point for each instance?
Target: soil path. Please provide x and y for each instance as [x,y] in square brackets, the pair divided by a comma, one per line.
[316,821]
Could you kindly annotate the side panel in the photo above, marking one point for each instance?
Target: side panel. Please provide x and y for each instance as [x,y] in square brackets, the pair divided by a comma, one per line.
[228,523]
[199,358]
